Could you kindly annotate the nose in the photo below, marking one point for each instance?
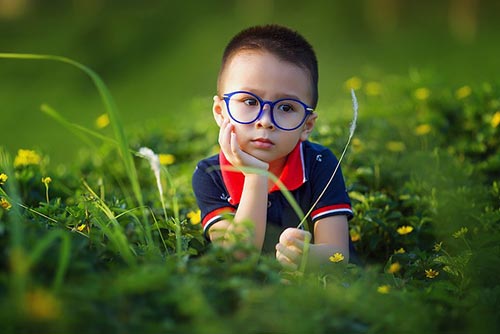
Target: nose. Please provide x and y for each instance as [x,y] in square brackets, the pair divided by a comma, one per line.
[265,119]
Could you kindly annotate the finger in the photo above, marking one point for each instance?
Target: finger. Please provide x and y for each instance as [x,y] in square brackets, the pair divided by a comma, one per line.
[297,243]
[225,139]
[293,233]
[221,130]
[292,253]
[235,147]
[285,262]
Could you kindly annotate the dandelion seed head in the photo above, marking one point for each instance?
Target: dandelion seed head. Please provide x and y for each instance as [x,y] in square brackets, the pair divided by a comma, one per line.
[154,163]
[355,113]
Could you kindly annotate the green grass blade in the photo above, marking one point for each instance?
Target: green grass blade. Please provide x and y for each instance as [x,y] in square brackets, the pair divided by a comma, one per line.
[77,129]
[110,107]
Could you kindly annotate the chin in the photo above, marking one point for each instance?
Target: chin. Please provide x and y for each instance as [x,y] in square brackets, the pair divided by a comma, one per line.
[264,156]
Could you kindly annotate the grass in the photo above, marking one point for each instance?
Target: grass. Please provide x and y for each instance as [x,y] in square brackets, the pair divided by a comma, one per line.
[82,253]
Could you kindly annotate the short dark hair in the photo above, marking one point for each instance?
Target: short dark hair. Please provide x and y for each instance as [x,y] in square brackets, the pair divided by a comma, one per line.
[288,45]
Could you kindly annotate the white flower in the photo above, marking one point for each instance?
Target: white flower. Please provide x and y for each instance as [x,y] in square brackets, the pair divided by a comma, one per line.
[355,116]
[154,162]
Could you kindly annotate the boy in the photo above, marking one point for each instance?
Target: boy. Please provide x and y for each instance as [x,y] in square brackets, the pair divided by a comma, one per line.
[267,90]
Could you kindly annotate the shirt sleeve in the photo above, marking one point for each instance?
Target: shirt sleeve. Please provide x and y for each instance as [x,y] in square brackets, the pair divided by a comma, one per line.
[335,200]
[211,194]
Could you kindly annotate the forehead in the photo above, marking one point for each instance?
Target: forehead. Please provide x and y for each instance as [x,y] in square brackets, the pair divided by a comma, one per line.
[265,74]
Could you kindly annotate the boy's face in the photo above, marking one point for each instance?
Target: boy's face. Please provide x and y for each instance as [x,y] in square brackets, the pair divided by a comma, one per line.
[270,78]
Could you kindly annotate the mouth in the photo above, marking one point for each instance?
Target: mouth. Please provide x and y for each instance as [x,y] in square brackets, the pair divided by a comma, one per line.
[262,142]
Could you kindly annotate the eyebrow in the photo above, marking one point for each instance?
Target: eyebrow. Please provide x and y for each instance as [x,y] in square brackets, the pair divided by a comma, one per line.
[280,96]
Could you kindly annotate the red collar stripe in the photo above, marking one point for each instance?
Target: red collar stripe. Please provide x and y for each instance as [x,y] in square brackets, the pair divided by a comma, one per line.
[292,176]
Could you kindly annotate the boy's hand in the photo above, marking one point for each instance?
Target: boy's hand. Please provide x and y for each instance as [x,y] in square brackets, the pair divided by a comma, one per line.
[290,248]
[234,154]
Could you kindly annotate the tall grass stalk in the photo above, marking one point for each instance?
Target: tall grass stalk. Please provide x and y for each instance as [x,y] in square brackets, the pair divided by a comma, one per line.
[80,131]
[111,228]
[110,107]
[176,210]
[154,162]
[352,129]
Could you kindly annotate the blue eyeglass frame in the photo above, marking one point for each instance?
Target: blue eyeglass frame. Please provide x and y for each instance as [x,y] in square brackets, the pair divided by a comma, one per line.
[227,97]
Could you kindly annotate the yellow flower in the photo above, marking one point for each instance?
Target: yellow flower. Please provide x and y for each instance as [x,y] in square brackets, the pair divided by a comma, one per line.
[337,257]
[42,305]
[384,289]
[353,83]
[423,129]
[400,251]
[194,217]
[463,92]
[26,157]
[460,233]
[166,159]
[3,178]
[46,180]
[431,273]
[422,93]
[4,204]
[495,121]
[395,146]
[437,246]
[394,268]
[373,88]
[357,144]
[102,121]
[355,236]
[404,230]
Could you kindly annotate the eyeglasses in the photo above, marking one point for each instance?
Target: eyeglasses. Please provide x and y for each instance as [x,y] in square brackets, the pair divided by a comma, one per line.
[287,114]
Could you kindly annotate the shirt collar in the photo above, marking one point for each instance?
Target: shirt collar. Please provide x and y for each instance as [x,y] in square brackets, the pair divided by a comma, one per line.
[292,176]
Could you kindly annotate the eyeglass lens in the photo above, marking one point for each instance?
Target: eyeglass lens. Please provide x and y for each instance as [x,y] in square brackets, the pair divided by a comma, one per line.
[246,108]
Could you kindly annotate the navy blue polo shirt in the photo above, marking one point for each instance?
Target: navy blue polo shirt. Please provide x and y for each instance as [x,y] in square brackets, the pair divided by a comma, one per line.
[307,171]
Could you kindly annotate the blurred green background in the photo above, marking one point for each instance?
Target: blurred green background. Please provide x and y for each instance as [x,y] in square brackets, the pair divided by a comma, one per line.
[160,58]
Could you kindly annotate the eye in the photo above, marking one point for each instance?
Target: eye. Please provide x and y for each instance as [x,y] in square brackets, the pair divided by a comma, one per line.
[286,107]
[250,101]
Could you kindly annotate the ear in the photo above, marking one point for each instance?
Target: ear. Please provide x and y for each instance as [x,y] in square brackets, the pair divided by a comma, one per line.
[218,110]
[308,126]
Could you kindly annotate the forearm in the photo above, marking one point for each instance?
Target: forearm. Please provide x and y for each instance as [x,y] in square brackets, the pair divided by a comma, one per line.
[252,209]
